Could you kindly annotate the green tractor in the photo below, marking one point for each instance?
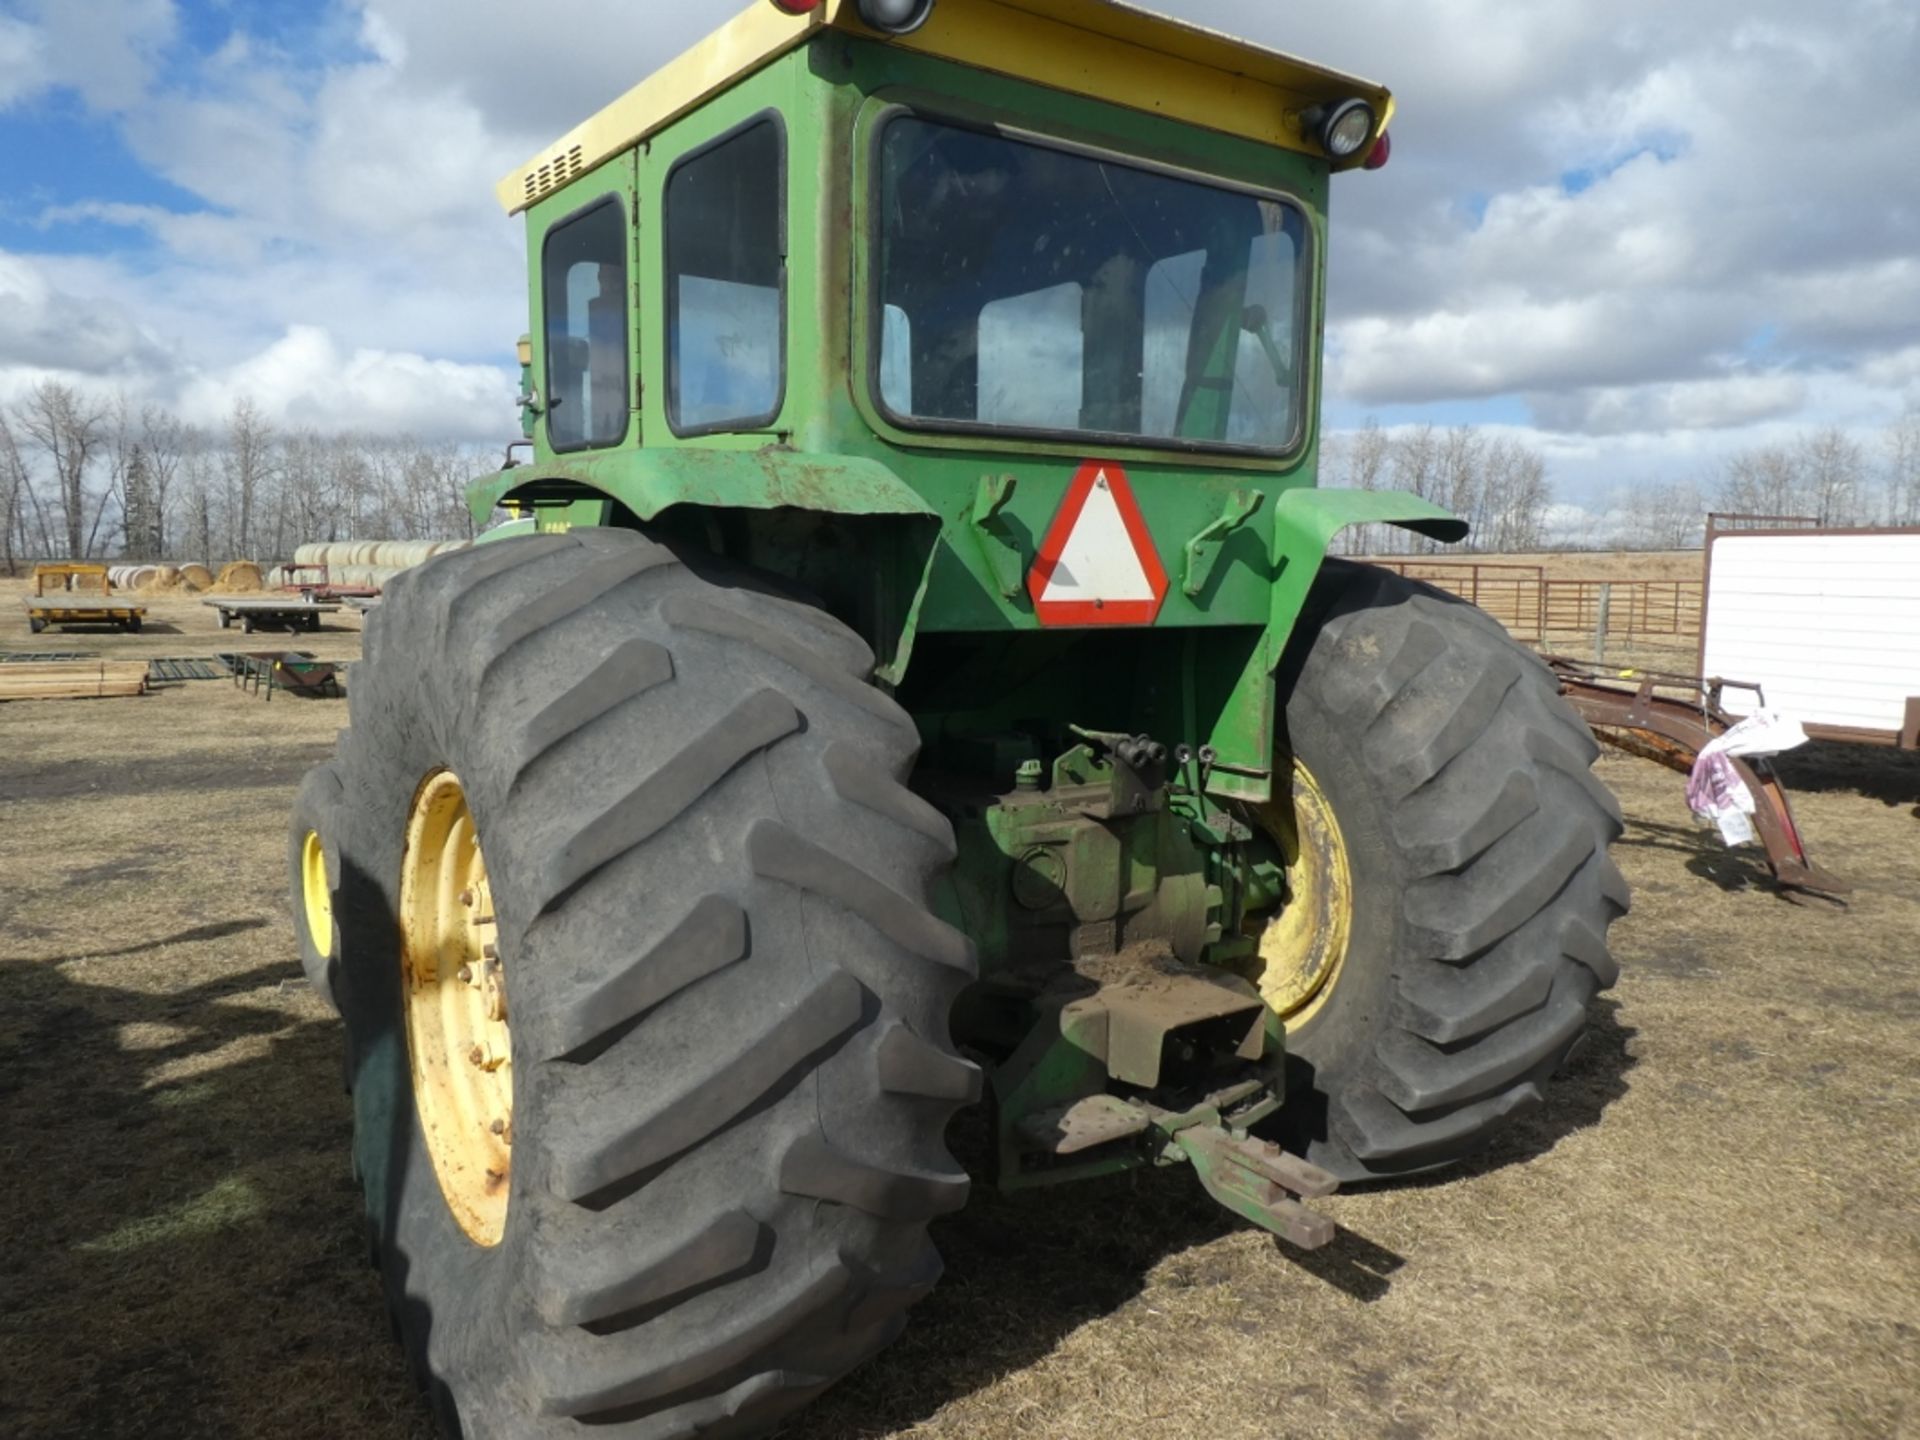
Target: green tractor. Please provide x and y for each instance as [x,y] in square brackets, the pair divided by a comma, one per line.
[909,677]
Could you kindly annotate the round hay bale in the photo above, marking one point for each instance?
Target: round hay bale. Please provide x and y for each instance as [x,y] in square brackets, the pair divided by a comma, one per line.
[196,577]
[157,579]
[239,578]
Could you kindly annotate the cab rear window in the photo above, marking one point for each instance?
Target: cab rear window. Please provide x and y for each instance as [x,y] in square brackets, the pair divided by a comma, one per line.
[1025,287]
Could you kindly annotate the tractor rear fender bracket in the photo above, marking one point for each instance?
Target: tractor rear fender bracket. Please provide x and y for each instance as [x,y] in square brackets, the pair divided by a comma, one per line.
[649,482]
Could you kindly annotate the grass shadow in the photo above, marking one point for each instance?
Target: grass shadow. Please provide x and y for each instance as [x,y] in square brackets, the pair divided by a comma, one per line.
[1878,772]
[198,934]
[1704,855]
[179,1248]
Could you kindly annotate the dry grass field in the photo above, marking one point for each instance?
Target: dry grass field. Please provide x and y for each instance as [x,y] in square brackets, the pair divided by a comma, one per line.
[1713,1229]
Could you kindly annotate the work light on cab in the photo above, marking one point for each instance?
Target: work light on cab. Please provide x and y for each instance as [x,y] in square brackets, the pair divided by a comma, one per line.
[895,17]
[1341,128]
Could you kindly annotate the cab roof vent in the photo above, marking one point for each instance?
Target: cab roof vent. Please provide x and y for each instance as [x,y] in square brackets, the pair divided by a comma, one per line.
[550,175]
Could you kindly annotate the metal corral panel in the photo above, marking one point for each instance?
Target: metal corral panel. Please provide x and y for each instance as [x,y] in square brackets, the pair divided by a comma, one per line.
[1829,623]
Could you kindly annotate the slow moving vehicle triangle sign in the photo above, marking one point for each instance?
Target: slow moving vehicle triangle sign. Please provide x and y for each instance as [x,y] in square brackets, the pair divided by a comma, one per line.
[1097,565]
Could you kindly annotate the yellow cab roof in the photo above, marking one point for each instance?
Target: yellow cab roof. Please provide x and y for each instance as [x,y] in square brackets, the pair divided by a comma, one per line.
[1101,48]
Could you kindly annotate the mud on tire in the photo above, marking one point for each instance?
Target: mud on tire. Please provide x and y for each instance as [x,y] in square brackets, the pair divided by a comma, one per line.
[732,1069]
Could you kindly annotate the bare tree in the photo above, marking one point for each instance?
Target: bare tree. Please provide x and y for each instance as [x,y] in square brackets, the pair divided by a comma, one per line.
[14,488]
[1461,461]
[1833,474]
[246,466]
[1901,447]
[1761,481]
[1661,515]
[163,444]
[199,474]
[68,430]
[1515,495]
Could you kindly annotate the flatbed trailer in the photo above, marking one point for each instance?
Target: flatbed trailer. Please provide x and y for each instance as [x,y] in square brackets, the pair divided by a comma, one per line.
[82,609]
[273,612]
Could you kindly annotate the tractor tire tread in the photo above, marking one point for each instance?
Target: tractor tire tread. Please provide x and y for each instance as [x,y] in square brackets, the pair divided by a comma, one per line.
[711,1004]
[1499,836]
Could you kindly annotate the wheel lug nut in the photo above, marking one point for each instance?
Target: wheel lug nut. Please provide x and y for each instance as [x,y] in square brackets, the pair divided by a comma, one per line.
[466,898]
[465,972]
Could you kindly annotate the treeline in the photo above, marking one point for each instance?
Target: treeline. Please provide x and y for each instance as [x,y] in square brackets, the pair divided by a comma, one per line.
[1824,476]
[1496,483]
[82,478]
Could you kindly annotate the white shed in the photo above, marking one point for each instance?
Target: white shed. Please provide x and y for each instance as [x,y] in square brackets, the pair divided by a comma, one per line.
[1826,620]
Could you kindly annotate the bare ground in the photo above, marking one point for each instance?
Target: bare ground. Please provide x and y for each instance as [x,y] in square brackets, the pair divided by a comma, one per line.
[1713,1229]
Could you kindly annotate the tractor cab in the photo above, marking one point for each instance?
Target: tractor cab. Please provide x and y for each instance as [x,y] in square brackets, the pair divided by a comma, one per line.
[905,269]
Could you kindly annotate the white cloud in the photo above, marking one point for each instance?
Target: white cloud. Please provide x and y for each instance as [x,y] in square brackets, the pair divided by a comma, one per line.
[44,327]
[23,68]
[305,380]
[104,49]
[1737,400]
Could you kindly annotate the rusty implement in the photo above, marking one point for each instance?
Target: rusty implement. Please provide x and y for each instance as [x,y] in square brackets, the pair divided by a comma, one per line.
[295,671]
[1672,730]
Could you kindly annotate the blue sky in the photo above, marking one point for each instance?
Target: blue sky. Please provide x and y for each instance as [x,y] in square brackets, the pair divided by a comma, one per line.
[1639,235]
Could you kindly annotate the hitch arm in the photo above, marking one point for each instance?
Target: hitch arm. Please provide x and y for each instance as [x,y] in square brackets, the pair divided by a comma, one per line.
[1259,1181]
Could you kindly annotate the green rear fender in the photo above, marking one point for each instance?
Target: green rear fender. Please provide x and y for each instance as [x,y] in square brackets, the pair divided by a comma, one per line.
[649,481]
[1305,522]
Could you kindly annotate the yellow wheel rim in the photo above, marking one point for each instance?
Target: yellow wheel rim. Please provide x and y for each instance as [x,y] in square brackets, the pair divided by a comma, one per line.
[456,1004]
[1303,945]
[316,895]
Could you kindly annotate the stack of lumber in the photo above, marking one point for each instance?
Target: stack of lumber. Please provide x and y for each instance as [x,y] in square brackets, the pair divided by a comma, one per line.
[72,679]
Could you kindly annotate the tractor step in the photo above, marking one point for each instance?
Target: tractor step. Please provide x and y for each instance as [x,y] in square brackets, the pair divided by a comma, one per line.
[1260,1180]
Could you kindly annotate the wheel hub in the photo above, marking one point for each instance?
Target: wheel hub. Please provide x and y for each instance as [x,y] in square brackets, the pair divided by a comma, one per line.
[455,995]
[1303,944]
[315,894]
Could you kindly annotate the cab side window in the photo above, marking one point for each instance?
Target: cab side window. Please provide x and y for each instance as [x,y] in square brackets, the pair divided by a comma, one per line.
[726,283]
[583,275]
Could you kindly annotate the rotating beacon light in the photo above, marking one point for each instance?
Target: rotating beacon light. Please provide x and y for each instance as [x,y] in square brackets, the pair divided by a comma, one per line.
[1342,128]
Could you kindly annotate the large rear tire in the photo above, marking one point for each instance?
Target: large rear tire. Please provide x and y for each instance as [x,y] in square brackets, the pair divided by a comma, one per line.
[1475,848]
[730,1067]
